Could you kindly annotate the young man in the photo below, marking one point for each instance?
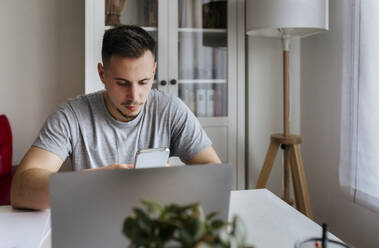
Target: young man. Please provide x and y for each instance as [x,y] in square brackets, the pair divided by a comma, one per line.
[104,130]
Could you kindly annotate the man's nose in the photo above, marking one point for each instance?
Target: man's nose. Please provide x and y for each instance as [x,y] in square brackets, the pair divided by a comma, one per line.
[132,93]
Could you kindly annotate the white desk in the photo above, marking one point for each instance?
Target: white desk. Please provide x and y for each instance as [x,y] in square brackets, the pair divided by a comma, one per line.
[24,229]
[270,221]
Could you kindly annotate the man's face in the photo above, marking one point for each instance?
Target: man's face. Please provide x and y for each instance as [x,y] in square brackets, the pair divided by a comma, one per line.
[128,82]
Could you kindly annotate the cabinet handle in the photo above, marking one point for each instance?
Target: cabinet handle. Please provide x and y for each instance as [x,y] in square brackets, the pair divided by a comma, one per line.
[173,81]
[163,82]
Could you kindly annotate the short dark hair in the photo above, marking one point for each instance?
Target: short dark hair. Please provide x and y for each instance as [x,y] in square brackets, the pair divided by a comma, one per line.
[127,41]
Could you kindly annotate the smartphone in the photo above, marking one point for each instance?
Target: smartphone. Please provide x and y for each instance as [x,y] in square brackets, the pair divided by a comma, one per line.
[151,158]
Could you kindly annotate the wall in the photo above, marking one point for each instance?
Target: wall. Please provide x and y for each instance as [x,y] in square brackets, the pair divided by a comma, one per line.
[265,104]
[42,63]
[321,76]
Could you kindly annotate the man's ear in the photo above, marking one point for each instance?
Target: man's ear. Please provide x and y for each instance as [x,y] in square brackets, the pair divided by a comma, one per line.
[155,68]
[100,69]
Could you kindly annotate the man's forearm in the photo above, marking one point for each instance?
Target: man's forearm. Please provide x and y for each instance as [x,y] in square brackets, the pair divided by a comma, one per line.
[30,189]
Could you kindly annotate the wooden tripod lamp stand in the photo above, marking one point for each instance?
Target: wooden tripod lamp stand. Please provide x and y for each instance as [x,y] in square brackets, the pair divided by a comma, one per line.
[286,20]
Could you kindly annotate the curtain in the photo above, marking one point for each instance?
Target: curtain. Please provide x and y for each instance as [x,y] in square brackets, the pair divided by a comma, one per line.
[359,156]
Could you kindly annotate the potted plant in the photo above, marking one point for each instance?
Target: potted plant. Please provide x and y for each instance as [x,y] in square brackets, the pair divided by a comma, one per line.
[181,226]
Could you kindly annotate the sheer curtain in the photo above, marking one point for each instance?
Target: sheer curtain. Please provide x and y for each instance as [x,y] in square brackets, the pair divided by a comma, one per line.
[359,157]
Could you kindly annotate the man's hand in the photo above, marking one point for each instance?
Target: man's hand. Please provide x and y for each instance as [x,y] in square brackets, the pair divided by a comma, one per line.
[115,167]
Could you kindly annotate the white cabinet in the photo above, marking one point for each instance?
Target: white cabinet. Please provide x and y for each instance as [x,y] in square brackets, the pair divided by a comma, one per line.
[200,55]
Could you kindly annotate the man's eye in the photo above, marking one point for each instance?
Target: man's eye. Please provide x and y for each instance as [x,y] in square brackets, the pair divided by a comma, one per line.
[121,83]
[144,82]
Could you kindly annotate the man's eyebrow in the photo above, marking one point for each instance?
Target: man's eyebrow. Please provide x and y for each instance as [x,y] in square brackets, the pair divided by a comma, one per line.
[127,81]
[122,79]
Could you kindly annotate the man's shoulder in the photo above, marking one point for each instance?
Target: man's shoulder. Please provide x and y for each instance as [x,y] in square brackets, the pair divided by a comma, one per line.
[80,106]
[165,104]
[157,94]
[85,99]
[164,99]
[82,102]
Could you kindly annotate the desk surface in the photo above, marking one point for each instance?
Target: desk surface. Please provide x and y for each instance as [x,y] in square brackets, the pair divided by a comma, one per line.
[270,221]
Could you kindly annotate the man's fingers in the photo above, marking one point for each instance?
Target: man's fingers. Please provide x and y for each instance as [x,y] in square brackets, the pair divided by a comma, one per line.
[119,166]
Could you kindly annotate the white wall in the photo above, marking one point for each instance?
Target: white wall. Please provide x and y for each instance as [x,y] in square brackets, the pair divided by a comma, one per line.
[321,70]
[42,62]
[265,104]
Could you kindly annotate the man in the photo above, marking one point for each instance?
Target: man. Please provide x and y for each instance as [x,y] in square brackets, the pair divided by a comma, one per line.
[105,129]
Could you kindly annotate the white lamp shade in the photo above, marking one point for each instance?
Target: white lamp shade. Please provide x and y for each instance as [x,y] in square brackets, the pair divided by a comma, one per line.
[295,18]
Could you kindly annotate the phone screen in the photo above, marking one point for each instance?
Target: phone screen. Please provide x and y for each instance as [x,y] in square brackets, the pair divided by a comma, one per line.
[151,158]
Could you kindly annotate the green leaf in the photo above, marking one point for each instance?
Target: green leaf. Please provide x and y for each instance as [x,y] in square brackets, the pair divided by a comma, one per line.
[128,229]
[218,223]
[203,245]
[212,215]
[238,229]
[153,207]
[224,237]
[185,238]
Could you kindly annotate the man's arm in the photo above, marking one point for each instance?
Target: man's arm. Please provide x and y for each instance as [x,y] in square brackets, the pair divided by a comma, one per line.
[206,156]
[30,185]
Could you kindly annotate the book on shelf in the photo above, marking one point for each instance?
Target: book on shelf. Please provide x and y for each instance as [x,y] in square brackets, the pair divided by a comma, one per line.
[190,14]
[220,100]
[153,8]
[217,102]
[192,104]
[187,96]
[220,62]
[214,13]
[205,100]
[148,10]
[210,102]
[201,103]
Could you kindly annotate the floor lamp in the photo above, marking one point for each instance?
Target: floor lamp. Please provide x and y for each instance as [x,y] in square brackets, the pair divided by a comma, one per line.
[286,20]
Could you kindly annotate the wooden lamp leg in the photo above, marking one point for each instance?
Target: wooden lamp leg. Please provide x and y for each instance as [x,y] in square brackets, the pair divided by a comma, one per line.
[300,183]
[267,165]
[295,181]
[287,172]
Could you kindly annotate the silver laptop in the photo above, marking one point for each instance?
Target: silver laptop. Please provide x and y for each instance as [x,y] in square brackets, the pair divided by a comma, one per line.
[88,208]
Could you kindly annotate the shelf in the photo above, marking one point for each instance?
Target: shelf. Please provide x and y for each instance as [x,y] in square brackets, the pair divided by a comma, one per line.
[184,30]
[150,29]
[202,81]
[146,28]
[202,30]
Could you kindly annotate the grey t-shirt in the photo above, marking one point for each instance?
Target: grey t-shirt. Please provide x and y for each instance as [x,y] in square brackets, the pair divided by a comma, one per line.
[83,129]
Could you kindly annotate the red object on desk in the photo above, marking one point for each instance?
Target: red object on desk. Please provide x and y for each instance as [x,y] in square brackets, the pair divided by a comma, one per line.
[5,187]
[5,146]
[6,171]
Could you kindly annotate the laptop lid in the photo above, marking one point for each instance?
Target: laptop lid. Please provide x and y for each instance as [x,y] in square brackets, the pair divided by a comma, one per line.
[88,208]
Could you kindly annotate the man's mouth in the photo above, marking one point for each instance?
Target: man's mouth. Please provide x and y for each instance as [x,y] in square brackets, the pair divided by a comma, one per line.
[131,108]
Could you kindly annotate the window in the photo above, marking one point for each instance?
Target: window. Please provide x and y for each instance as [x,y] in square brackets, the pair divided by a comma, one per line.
[359,157]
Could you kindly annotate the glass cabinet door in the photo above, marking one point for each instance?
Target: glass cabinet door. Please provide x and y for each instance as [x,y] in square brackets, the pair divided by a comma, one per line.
[202,56]
[192,49]
[143,13]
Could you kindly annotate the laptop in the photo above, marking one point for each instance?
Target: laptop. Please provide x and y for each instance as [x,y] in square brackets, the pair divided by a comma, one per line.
[88,208]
